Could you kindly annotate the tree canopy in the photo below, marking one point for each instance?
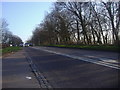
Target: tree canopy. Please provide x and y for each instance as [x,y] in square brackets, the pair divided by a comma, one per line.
[89,23]
[6,36]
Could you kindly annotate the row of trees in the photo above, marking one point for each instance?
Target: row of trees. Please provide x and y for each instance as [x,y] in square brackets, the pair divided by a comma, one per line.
[6,36]
[88,23]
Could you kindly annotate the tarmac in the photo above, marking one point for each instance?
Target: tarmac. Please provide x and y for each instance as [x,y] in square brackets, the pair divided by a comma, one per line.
[16,72]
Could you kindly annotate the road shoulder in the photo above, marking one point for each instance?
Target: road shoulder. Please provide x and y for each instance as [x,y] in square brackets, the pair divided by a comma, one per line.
[16,72]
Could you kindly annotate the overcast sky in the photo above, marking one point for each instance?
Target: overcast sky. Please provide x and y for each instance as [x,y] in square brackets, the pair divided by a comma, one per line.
[23,17]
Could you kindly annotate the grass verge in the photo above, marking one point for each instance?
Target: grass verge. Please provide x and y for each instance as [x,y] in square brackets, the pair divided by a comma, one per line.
[10,49]
[91,47]
[0,52]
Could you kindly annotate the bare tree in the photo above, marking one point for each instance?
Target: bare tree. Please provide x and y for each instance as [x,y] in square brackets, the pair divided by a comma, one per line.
[113,9]
[80,22]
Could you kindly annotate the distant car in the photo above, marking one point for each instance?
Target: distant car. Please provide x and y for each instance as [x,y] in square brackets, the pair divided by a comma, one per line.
[26,44]
[30,44]
[21,45]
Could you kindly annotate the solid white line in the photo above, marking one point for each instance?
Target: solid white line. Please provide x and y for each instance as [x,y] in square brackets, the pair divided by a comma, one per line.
[103,59]
[83,59]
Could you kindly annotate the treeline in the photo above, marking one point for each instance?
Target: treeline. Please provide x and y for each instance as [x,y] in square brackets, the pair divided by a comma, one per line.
[6,36]
[83,23]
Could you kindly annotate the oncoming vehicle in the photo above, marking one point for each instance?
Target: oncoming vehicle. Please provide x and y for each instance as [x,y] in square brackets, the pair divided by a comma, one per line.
[28,44]
[21,45]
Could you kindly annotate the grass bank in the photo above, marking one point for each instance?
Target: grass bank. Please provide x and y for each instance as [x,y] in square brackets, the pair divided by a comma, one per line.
[91,47]
[0,52]
[10,49]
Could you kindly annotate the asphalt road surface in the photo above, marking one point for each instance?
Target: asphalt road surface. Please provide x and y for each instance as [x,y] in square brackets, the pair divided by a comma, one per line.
[75,68]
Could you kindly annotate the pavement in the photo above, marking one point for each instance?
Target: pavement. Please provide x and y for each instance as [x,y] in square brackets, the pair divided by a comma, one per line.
[16,72]
[62,70]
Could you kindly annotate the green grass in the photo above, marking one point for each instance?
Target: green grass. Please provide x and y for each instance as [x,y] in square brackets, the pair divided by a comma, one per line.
[10,49]
[92,47]
[0,52]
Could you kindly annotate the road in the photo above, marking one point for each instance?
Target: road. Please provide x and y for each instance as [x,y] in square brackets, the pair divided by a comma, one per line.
[75,68]
[0,72]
